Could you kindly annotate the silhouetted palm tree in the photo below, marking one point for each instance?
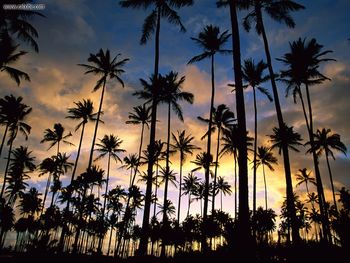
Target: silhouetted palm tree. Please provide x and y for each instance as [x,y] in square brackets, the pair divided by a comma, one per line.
[182,144]
[303,62]
[324,142]
[212,41]
[109,146]
[106,67]
[280,12]
[16,23]
[16,114]
[160,9]
[304,177]
[222,118]
[224,188]
[9,56]
[265,157]
[141,115]
[253,76]
[22,163]
[130,163]
[56,136]
[189,186]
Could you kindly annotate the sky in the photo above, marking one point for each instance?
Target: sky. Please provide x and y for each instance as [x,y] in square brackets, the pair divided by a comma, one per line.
[71,30]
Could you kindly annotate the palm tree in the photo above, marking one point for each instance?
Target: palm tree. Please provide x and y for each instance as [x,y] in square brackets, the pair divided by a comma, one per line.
[304,177]
[152,25]
[265,158]
[211,40]
[253,75]
[189,186]
[280,12]
[141,115]
[9,56]
[224,188]
[182,144]
[83,112]
[130,163]
[324,142]
[303,62]
[110,146]
[55,136]
[16,113]
[243,225]
[106,67]
[22,163]
[222,118]
[16,23]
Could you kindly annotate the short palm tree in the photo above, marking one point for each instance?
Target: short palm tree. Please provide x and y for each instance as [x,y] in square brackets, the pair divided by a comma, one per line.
[56,136]
[16,115]
[265,158]
[324,142]
[109,146]
[222,118]
[212,41]
[152,23]
[182,144]
[304,177]
[9,55]
[224,188]
[253,75]
[141,115]
[106,67]
[189,186]
[131,163]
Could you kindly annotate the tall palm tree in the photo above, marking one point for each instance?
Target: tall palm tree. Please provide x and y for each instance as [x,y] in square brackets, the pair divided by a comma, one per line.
[304,177]
[253,75]
[56,136]
[212,41]
[279,11]
[141,115]
[182,144]
[130,163]
[109,146]
[303,62]
[224,188]
[265,158]
[106,67]
[324,142]
[22,163]
[9,56]
[222,118]
[280,137]
[243,225]
[16,117]
[189,186]
[152,23]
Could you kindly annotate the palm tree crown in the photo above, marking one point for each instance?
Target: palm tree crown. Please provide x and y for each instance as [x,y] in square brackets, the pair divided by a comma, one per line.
[83,111]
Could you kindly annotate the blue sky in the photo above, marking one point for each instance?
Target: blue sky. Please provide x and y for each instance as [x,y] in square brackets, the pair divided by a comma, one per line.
[73,29]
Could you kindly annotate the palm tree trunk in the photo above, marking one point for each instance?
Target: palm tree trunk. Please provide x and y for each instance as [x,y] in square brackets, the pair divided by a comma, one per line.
[216,170]
[331,177]
[148,196]
[189,204]
[235,161]
[320,192]
[255,153]
[263,166]
[96,125]
[167,169]
[221,201]
[180,183]
[3,138]
[243,214]
[100,240]
[7,167]
[286,162]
